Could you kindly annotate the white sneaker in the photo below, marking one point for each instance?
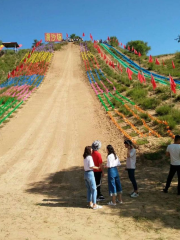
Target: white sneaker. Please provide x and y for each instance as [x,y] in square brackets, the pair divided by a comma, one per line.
[134,195]
[119,201]
[111,203]
[97,207]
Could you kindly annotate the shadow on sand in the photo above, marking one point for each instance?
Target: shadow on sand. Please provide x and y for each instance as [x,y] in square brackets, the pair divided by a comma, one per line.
[66,188]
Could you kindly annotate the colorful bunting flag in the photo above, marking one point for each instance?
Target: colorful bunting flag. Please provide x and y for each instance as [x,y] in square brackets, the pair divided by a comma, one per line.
[173,64]
[173,84]
[129,72]
[153,82]
[150,59]
[157,62]
[140,77]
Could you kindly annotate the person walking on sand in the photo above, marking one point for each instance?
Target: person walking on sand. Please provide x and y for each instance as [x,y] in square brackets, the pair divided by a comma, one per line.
[89,178]
[114,183]
[98,173]
[173,151]
[131,166]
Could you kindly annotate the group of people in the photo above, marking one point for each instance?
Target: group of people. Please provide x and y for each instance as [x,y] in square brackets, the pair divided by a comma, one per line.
[94,171]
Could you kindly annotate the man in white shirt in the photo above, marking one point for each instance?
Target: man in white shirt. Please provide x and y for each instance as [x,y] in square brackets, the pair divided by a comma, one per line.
[173,151]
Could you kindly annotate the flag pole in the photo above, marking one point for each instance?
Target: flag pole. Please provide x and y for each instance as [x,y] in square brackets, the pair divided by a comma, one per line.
[171,95]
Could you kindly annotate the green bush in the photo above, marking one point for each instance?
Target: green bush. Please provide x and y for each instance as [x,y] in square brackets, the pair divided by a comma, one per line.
[123,110]
[145,116]
[120,88]
[161,90]
[177,98]
[142,141]
[163,110]
[149,103]
[171,122]
[137,93]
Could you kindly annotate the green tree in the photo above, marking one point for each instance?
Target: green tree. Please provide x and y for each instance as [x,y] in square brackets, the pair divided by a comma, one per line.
[113,41]
[73,35]
[140,46]
[34,43]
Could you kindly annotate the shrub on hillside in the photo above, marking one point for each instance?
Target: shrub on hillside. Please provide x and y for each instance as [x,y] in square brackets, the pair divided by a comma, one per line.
[145,116]
[170,120]
[149,103]
[137,93]
[123,110]
[163,110]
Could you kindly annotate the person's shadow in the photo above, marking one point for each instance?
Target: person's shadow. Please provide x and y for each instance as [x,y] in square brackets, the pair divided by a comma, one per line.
[67,188]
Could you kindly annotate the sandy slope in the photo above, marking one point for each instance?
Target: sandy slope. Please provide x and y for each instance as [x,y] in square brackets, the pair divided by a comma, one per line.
[43,195]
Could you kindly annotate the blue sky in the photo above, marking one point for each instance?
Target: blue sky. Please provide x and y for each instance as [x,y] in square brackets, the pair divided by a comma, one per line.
[156,22]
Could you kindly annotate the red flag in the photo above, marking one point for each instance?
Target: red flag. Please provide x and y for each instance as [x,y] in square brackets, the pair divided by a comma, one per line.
[13,72]
[9,75]
[150,59]
[135,51]
[116,40]
[121,44]
[104,56]
[83,35]
[109,63]
[143,77]
[139,54]
[118,43]
[140,77]
[157,62]
[113,64]
[106,61]
[163,62]
[29,55]
[66,35]
[129,72]
[173,64]
[101,54]
[153,82]
[25,60]
[21,67]
[37,44]
[173,84]
[108,38]
[120,68]
[17,68]
[124,46]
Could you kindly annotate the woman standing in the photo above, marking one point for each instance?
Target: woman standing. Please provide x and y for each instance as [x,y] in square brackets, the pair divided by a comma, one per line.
[114,183]
[89,178]
[98,174]
[131,166]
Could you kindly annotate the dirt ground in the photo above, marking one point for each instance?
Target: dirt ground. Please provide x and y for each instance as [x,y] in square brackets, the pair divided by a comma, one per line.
[43,194]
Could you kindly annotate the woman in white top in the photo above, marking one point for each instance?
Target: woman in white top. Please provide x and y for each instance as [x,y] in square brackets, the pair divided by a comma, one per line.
[131,165]
[114,183]
[89,178]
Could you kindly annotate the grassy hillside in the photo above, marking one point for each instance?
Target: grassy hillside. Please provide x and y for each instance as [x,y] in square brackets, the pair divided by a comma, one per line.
[9,61]
[157,102]
[165,69]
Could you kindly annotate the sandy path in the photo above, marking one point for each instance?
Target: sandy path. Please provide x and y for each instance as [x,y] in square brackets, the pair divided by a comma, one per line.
[43,195]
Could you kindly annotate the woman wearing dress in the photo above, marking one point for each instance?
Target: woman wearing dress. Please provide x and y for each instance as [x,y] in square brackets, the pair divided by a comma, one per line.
[89,178]
[114,183]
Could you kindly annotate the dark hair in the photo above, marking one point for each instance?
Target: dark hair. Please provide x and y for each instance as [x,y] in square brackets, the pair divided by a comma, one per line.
[111,150]
[128,142]
[177,138]
[87,151]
